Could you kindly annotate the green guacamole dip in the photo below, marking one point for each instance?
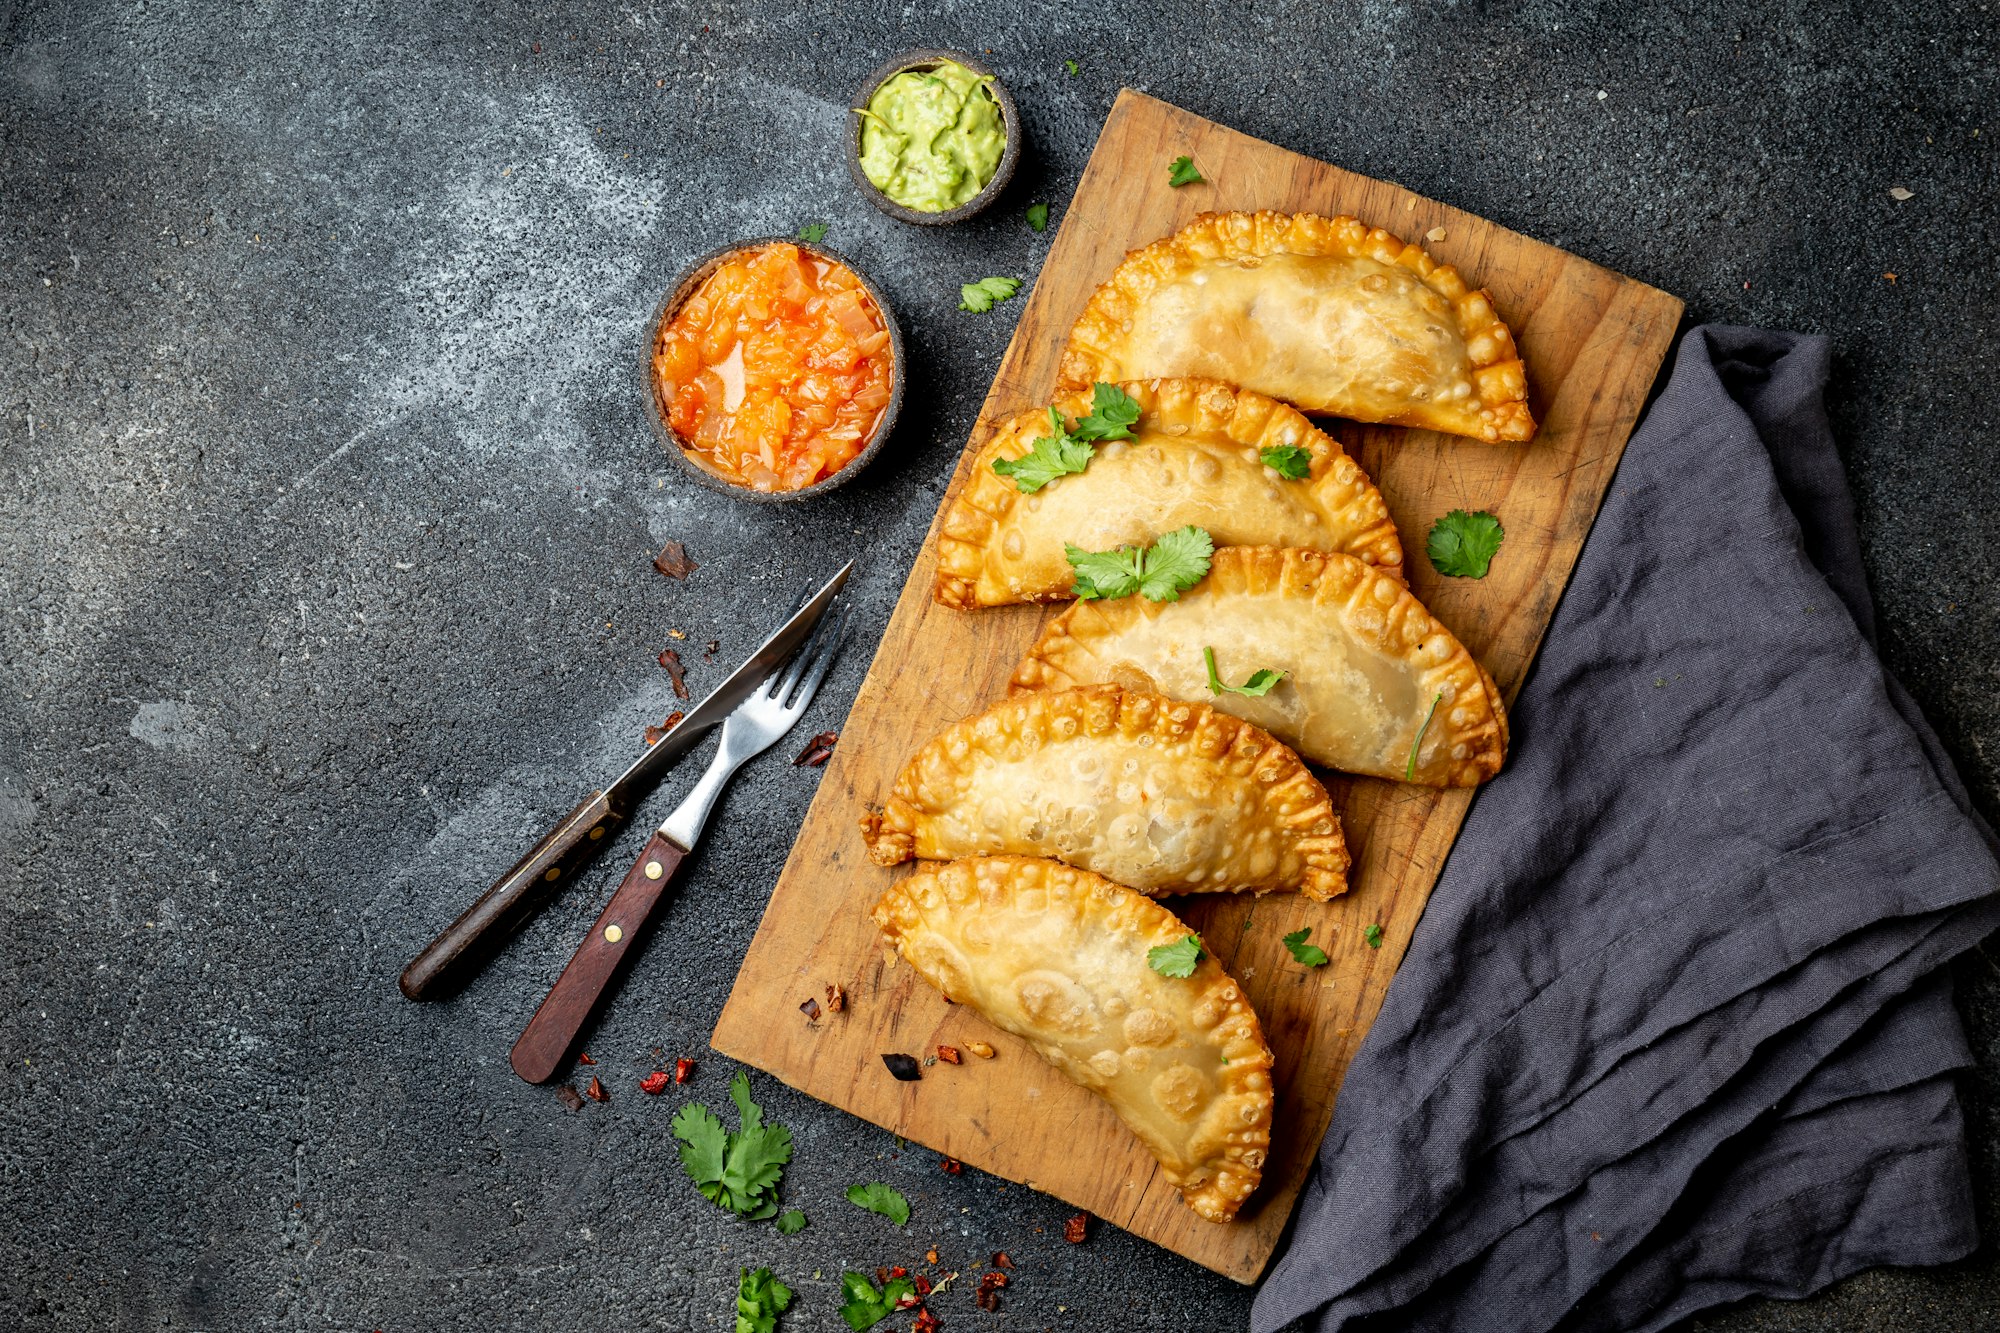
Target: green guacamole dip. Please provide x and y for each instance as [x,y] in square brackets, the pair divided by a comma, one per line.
[931,139]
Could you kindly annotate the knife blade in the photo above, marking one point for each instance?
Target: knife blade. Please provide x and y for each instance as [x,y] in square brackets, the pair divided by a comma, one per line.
[463,947]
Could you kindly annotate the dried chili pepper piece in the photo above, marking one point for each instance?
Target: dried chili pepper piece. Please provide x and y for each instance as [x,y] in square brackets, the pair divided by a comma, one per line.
[569,1097]
[654,735]
[1077,1229]
[676,673]
[1000,1259]
[836,998]
[951,1166]
[810,1008]
[596,1090]
[655,1083]
[909,1300]
[923,1283]
[930,1255]
[683,1070]
[583,1058]
[818,750]
[948,1054]
[674,561]
[926,1323]
[904,1067]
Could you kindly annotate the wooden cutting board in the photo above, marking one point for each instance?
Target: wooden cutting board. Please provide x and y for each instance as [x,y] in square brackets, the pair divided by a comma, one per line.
[1593,341]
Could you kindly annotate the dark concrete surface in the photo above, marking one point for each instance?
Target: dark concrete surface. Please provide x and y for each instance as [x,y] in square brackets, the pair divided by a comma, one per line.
[327,508]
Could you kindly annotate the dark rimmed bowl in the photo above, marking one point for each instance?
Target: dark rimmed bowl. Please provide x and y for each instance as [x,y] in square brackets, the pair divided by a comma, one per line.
[931,58]
[690,280]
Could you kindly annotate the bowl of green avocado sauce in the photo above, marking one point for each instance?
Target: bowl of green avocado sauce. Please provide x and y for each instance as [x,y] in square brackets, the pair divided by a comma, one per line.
[935,137]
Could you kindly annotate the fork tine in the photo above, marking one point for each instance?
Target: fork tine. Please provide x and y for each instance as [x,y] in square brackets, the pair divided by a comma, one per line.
[782,684]
[823,664]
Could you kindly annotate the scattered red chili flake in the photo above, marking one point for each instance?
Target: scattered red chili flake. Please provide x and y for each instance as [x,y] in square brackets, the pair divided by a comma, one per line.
[897,1270]
[818,750]
[714,647]
[583,1058]
[987,1297]
[923,1283]
[569,1097]
[1000,1260]
[948,1054]
[683,1070]
[671,660]
[811,1010]
[930,1255]
[654,735]
[951,1166]
[1077,1229]
[674,561]
[994,1279]
[926,1323]
[655,1083]
[596,1090]
[836,998]
[909,1300]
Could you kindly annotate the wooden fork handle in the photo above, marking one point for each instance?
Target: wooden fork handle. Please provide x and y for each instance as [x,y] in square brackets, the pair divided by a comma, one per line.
[464,946]
[545,1043]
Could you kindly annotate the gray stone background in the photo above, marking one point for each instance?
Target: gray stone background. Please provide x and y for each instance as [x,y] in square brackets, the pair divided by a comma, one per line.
[328,500]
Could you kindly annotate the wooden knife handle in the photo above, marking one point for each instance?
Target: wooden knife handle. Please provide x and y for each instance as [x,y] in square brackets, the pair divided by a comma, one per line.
[550,1034]
[466,945]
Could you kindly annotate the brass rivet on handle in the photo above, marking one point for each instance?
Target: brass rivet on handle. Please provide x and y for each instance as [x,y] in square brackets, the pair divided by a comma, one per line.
[597,832]
[653,870]
[614,934]
[552,872]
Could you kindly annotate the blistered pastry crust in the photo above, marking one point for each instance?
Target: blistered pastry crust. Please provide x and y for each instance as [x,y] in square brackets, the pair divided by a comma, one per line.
[1488,403]
[1057,956]
[1202,440]
[1165,796]
[1310,597]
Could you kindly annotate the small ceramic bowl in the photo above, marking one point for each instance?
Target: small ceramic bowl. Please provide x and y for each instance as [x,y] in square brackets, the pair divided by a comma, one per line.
[926,58]
[689,282]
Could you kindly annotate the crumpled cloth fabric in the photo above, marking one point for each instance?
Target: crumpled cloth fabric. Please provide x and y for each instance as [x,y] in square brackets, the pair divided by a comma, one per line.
[1674,1028]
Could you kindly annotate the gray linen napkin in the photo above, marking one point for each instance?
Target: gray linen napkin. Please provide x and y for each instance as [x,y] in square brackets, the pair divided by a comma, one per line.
[1672,1030]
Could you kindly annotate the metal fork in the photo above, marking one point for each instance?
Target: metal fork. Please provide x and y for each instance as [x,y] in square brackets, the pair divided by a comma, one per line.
[757,722]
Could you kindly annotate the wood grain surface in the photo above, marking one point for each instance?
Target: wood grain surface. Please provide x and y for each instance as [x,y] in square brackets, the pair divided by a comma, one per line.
[1593,342]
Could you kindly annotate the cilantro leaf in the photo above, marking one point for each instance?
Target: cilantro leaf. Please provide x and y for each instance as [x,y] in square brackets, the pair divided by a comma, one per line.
[1073,68]
[1052,456]
[1287,460]
[1309,954]
[1260,683]
[978,297]
[1176,562]
[1175,960]
[1183,172]
[879,1198]
[1038,217]
[813,232]
[1463,545]
[738,1171]
[1410,769]
[703,1143]
[1373,935]
[1113,413]
[790,1222]
[1161,572]
[863,1305]
[760,1299]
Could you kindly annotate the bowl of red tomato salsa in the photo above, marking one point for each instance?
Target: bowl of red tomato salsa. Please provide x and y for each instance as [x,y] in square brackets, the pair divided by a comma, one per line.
[775,370]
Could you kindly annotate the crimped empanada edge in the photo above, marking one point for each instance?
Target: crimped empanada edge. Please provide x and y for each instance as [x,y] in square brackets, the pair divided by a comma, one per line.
[1498,373]
[891,834]
[1235,1165]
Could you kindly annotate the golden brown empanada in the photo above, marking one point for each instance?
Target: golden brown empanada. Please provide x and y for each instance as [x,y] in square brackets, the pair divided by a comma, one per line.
[1322,312]
[1369,670]
[1193,459]
[1057,957]
[1159,795]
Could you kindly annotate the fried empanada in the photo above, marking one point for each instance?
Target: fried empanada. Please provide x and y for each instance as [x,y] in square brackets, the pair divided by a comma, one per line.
[1193,459]
[1160,795]
[1374,684]
[1322,312]
[1057,957]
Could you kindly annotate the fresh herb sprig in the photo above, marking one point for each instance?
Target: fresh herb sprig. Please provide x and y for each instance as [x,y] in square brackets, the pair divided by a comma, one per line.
[864,1305]
[1260,683]
[879,1198]
[1175,960]
[735,1170]
[1309,954]
[1290,461]
[979,297]
[1068,449]
[760,1299]
[1463,545]
[1175,562]
[1183,171]
[1410,769]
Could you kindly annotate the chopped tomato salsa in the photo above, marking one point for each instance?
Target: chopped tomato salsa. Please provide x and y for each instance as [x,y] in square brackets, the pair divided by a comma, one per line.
[776,371]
